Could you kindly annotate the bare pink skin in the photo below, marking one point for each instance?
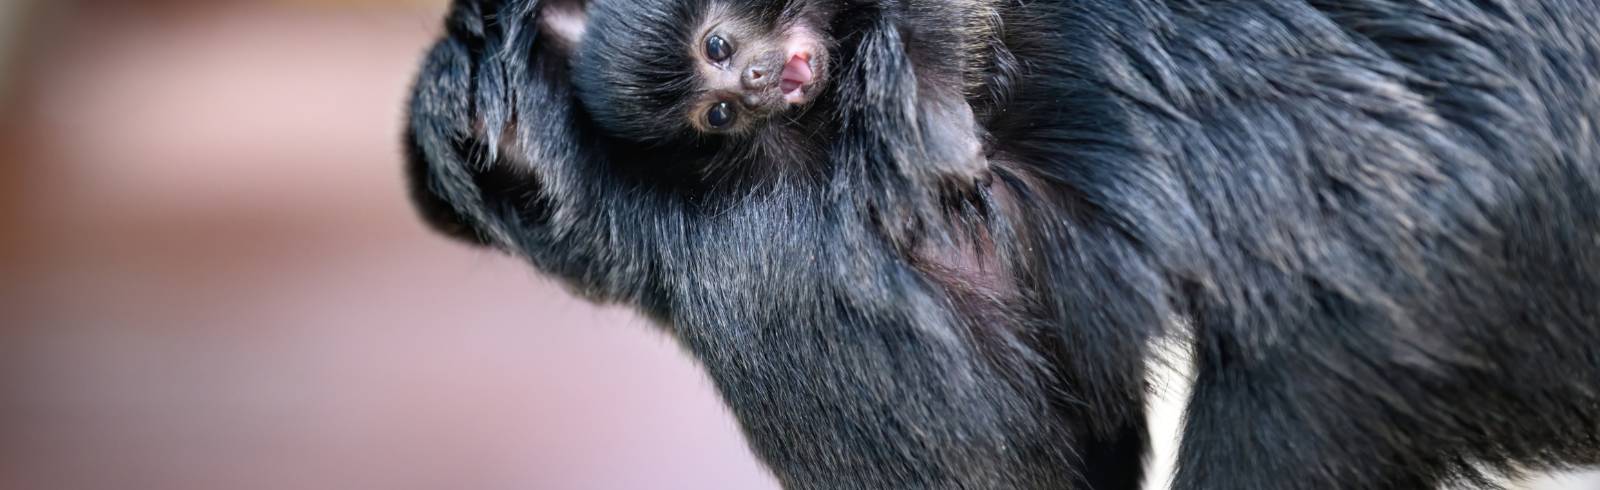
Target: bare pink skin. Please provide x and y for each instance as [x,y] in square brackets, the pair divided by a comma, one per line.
[800,73]
[796,75]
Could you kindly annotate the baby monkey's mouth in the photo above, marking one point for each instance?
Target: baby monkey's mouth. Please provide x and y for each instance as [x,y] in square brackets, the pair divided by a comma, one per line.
[797,75]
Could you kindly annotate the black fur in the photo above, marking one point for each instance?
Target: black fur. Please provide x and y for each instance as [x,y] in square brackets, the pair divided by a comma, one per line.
[1379,220]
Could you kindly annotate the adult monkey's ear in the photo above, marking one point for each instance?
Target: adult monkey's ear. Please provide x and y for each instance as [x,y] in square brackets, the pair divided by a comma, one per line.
[563,23]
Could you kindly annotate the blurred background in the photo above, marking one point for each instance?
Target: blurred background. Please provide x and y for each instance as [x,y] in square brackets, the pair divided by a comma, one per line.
[210,278]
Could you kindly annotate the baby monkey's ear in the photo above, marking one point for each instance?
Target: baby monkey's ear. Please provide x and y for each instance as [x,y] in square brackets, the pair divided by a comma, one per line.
[563,23]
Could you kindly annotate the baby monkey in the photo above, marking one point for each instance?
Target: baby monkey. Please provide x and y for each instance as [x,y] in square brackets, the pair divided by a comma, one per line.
[660,71]
[779,83]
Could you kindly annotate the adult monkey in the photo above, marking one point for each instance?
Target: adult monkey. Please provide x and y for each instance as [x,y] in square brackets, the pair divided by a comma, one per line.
[1380,219]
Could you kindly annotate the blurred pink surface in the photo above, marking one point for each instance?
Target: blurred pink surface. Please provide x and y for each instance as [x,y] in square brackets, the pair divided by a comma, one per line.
[212,280]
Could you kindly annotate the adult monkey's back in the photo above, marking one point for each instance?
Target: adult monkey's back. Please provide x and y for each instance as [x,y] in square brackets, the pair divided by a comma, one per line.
[1378,220]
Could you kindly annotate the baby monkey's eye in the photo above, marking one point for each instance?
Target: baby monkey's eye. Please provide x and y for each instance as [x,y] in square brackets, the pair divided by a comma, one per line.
[718,49]
[720,116]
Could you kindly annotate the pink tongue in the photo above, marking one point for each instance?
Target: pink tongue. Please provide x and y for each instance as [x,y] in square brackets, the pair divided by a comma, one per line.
[796,74]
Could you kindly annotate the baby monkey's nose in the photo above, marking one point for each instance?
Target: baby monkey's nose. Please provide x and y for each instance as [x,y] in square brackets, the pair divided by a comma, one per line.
[763,73]
[757,78]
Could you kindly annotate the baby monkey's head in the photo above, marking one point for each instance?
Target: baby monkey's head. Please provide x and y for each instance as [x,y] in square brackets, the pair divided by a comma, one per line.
[661,70]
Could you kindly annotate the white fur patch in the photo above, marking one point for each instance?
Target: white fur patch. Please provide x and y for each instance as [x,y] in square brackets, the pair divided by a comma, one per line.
[1171,371]
[1554,481]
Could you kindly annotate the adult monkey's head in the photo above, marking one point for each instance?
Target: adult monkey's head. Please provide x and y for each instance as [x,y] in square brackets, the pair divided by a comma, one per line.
[661,70]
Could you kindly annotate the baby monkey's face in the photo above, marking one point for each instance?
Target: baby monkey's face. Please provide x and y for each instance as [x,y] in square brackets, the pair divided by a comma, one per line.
[749,73]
